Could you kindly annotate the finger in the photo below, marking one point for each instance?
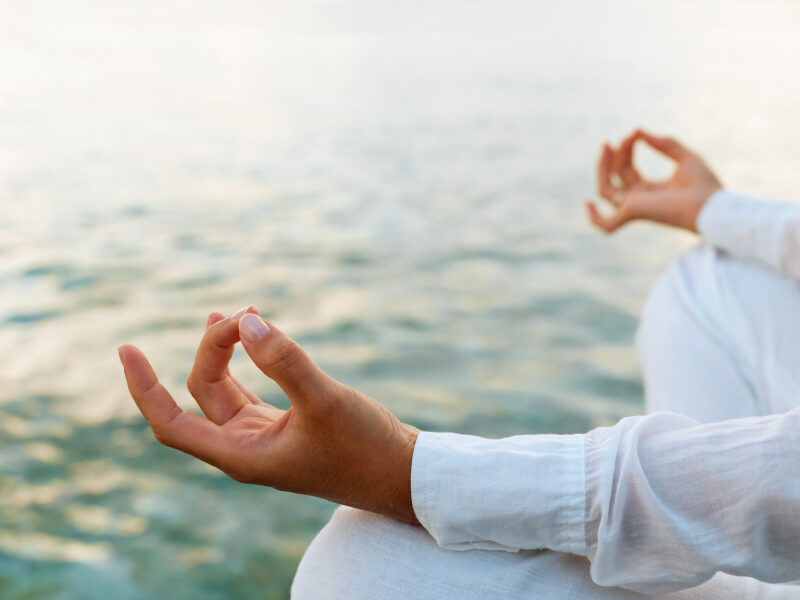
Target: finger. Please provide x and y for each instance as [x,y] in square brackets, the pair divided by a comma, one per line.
[667,146]
[150,396]
[610,223]
[280,358]
[214,317]
[208,382]
[623,161]
[605,188]
[171,425]
[215,351]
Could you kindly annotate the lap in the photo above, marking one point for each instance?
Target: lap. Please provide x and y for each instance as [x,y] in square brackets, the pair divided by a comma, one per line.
[364,556]
[360,555]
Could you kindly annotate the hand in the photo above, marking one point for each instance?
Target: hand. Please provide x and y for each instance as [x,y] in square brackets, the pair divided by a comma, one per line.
[676,201]
[333,442]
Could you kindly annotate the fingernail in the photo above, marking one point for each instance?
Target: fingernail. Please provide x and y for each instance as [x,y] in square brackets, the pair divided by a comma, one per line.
[252,327]
[239,313]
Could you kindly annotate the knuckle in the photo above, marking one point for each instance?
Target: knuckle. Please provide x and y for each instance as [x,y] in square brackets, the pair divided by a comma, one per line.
[195,387]
[286,356]
[163,437]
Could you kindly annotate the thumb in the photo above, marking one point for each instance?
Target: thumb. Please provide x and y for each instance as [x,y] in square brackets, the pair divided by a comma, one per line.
[281,359]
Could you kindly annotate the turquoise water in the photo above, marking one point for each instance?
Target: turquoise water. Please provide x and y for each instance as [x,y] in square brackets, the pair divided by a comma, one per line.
[398,186]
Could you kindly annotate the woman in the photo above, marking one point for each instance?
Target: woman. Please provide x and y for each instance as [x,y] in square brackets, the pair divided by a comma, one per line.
[699,502]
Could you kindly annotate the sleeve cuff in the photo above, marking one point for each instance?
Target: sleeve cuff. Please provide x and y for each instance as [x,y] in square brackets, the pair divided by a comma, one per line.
[721,209]
[763,231]
[710,214]
[517,493]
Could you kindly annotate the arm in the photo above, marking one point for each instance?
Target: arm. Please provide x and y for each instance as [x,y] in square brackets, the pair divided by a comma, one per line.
[657,503]
[765,232]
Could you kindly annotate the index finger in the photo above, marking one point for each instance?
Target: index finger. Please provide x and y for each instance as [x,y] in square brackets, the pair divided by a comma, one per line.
[216,348]
[209,381]
[605,188]
[623,161]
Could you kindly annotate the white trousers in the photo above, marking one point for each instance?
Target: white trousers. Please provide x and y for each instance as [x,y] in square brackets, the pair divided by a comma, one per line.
[718,339]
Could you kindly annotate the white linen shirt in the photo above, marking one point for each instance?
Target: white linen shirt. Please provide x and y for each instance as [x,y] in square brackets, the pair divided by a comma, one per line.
[657,503]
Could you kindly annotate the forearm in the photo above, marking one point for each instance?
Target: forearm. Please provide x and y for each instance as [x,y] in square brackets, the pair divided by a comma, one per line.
[763,231]
[657,503]
[521,492]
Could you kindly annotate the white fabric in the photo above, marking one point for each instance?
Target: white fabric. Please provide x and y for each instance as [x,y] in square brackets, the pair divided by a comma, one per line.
[762,231]
[665,500]
[364,556]
[472,492]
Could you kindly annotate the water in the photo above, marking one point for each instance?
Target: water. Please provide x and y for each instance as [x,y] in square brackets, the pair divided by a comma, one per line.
[397,185]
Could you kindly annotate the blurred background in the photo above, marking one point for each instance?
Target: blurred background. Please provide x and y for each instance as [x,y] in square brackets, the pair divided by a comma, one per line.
[398,185]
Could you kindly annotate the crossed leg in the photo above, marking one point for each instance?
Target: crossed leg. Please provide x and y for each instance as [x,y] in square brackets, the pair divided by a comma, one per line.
[718,339]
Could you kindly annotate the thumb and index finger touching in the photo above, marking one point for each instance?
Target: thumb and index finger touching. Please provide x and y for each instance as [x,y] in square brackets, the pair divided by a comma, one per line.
[210,382]
[667,146]
[621,160]
[216,395]
[621,163]
[274,353]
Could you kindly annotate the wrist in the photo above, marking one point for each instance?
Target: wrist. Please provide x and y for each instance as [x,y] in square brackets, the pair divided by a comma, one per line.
[398,503]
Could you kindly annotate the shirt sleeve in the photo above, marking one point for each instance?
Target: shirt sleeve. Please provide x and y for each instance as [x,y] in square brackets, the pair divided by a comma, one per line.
[657,503]
[763,231]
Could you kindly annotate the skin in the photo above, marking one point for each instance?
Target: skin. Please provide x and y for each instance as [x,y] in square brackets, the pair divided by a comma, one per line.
[676,201]
[335,442]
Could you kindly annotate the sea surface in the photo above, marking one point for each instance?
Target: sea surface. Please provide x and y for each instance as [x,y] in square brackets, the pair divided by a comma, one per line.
[397,185]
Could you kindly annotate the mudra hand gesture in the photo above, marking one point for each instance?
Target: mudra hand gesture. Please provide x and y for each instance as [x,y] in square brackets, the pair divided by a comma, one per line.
[676,201]
[334,442]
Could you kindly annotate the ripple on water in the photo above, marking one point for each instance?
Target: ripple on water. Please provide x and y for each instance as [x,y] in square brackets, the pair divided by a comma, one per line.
[198,281]
[47,269]
[78,282]
[26,318]
[158,325]
[434,257]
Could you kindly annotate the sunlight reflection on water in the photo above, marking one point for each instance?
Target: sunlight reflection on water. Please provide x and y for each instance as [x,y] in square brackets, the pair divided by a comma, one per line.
[398,187]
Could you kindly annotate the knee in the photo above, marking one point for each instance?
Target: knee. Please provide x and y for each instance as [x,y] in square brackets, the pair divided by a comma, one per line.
[360,555]
[349,557]
[323,558]
[677,295]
